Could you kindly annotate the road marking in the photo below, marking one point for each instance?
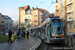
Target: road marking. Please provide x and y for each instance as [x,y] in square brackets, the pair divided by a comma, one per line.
[39,41]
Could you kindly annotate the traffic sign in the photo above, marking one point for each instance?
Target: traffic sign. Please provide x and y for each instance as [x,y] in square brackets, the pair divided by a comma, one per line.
[26,21]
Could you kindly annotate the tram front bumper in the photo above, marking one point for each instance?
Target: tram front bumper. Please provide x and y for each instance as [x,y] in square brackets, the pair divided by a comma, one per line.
[57,40]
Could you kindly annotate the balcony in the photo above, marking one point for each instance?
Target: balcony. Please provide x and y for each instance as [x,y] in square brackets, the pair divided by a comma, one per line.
[69,11]
[68,3]
[69,20]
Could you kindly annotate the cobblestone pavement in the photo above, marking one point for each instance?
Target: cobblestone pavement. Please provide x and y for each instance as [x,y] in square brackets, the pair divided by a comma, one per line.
[22,44]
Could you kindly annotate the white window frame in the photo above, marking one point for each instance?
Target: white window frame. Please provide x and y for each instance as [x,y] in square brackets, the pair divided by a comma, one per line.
[70,8]
[70,16]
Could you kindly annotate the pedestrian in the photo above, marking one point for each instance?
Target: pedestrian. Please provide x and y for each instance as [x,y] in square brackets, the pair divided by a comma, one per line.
[18,34]
[9,36]
[27,34]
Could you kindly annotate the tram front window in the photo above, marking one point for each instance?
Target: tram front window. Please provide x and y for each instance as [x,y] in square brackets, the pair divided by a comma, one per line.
[57,27]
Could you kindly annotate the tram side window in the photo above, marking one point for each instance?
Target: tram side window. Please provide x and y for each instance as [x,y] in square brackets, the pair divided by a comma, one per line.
[48,31]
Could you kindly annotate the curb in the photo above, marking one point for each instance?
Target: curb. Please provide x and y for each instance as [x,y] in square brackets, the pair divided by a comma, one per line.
[36,45]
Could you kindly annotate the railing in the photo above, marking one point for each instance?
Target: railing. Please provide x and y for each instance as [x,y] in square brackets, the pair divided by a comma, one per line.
[69,40]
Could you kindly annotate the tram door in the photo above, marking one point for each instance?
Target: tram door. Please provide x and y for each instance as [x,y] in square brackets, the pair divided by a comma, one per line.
[48,33]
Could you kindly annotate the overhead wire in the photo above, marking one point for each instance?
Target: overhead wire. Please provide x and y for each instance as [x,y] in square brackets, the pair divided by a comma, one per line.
[50,5]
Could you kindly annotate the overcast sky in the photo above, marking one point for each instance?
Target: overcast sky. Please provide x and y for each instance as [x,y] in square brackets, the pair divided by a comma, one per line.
[9,7]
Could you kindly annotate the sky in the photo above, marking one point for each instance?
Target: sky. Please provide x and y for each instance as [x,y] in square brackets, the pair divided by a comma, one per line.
[10,7]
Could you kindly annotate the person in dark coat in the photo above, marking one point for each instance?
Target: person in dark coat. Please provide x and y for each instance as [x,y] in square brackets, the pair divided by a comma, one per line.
[23,34]
[18,34]
[27,34]
[9,36]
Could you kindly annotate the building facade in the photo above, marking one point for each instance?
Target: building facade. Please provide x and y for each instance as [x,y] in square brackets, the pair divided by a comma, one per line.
[38,16]
[67,13]
[24,13]
[70,4]
[5,23]
[57,8]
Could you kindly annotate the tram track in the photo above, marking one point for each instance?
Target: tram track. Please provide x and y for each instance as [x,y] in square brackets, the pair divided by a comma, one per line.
[56,46]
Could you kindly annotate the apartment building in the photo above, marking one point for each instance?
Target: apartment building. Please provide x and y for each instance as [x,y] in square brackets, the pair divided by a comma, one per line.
[5,23]
[67,12]
[38,15]
[24,13]
[70,4]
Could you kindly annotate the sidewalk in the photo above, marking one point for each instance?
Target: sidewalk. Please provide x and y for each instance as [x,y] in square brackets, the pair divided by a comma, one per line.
[22,44]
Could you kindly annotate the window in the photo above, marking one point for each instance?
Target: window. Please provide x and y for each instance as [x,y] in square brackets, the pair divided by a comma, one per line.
[70,26]
[41,13]
[22,17]
[32,14]
[70,16]
[46,15]
[57,7]
[35,23]
[35,13]
[22,22]
[28,17]
[32,24]
[69,0]
[70,8]
[22,12]
[48,31]
[35,18]
[57,13]
[61,12]
[62,5]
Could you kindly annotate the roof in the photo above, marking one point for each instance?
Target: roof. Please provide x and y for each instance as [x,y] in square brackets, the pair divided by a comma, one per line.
[40,9]
[25,7]
[4,16]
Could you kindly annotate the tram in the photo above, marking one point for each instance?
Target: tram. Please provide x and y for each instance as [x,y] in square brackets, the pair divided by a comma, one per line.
[51,30]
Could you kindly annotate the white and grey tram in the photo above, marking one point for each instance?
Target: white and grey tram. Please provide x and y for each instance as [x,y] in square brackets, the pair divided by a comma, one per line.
[51,30]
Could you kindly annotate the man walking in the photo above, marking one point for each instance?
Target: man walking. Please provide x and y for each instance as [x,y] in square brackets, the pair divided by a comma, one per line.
[9,36]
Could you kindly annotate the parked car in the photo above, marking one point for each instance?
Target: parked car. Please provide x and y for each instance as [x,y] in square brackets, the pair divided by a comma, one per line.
[73,35]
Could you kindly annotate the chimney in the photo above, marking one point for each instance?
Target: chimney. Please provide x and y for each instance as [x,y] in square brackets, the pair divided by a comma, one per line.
[28,6]
[32,8]
[56,1]
[36,7]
